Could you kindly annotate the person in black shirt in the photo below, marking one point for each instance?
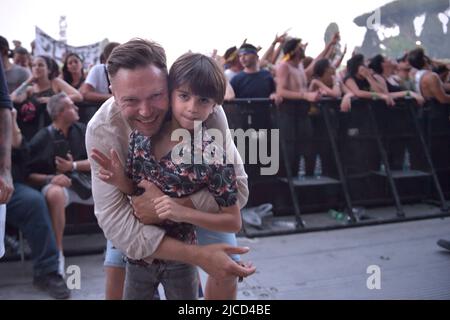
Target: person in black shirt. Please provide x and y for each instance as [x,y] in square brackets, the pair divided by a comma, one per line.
[361,83]
[56,151]
[252,82]
[28,212]
[383,70]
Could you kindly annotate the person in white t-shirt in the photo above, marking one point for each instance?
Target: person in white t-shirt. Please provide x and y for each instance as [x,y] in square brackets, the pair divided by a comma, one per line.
[96,86]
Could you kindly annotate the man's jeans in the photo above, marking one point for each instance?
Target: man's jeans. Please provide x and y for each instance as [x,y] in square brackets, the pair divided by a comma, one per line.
[180,281]
[28,212]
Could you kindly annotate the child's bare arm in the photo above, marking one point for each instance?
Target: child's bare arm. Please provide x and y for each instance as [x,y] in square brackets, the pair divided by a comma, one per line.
[112,171]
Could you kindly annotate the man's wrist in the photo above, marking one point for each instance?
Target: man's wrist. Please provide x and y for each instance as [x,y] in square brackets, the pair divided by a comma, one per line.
[74,166]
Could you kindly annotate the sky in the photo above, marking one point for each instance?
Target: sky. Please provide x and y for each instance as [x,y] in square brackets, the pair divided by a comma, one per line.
[179,26]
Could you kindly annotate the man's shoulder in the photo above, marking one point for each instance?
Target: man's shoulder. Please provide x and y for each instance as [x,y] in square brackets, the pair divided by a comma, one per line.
[108,127]
[107,116]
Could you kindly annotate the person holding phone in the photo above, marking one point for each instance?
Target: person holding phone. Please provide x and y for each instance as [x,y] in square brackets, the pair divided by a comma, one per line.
[55,152]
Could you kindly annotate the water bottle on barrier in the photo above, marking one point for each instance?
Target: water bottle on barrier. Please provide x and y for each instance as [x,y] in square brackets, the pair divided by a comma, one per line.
[382,168]
[337,215]
[406,161]
[318,168]
[301,168]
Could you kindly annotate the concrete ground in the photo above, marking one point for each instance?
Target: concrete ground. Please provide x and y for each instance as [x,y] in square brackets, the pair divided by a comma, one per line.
[319,265]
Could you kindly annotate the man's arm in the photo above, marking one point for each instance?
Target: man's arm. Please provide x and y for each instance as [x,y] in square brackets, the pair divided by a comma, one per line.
[113,209]
[89,94]
[437,90]
[6,184]
[283,87]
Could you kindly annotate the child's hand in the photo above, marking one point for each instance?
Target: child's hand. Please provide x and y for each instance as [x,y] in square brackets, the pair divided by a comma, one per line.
[111,169]
[167,208]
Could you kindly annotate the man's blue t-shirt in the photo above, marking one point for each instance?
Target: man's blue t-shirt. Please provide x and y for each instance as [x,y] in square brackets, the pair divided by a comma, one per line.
[253,85]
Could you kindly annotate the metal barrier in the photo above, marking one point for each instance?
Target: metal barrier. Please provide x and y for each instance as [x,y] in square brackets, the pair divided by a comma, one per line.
[372,156]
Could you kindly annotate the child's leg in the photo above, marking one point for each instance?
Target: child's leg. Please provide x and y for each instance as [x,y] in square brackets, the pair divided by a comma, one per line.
[180,281]
[225,289]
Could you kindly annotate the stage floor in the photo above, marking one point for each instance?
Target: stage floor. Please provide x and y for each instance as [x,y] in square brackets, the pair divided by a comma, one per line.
[317,265]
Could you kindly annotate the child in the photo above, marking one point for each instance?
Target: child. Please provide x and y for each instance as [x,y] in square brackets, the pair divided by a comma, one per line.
[196,85]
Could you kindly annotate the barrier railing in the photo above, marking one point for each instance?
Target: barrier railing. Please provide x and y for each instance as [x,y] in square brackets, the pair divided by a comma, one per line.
[367,156]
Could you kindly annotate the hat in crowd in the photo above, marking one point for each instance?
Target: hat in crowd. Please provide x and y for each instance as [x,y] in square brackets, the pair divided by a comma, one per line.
[290,46]
[230,54]
[248,48]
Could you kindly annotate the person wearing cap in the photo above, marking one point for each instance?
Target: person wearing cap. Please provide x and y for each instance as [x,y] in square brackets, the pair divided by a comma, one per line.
[14,74]
[252,82]
[232,64]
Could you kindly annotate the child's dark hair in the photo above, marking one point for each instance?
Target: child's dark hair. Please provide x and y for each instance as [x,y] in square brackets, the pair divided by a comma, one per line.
[201,74]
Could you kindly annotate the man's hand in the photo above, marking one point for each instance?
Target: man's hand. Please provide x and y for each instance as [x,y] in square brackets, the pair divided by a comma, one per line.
[144,208]
[276,98]
[64,165]
[214,259]
[61,180]
[6,187]
[312,96]
[167,208]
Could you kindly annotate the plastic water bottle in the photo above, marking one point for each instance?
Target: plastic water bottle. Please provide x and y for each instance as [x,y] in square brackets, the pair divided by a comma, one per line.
[301,168]
[337,215]
[382,168]
[318,168]
[406,161]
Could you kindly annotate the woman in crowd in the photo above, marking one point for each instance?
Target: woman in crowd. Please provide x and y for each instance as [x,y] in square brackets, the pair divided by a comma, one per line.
[72,71]
[32,95]
[361,83]
[383,69]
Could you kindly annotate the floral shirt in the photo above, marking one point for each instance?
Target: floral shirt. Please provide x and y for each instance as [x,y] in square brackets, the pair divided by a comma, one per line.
[188,168]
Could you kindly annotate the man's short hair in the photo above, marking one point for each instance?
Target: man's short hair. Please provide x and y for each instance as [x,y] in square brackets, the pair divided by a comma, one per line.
[230,54]
[200,74]
[417,58]
[134,54]
[290,45]
[107,51]
[21,50]
[55,105]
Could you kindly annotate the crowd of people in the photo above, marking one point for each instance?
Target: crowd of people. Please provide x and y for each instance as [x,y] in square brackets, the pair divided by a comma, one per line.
[153,211]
